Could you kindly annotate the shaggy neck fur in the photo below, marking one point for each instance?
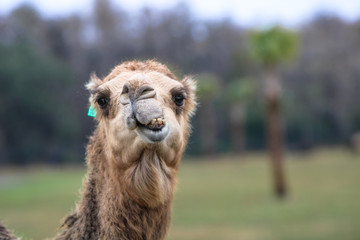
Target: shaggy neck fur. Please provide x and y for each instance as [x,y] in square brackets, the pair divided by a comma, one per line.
[126,203]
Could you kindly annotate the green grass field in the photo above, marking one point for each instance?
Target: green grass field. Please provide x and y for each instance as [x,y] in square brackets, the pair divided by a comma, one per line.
[226,199]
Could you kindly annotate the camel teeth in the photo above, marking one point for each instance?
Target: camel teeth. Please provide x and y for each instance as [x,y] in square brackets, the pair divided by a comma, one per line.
[156,122]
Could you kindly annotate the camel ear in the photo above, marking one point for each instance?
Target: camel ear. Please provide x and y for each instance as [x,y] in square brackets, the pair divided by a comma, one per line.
[190,86]
[93,84]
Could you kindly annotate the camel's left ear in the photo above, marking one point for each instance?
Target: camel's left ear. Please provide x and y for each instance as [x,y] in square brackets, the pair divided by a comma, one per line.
[93,84]
[191,101]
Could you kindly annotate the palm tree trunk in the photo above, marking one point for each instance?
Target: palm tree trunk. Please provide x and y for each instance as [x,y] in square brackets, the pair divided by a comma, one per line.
[237,117]
[3,148]
[207,128]
[275,144]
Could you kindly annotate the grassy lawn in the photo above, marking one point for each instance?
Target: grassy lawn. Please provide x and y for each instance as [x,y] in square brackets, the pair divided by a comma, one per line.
[226,199]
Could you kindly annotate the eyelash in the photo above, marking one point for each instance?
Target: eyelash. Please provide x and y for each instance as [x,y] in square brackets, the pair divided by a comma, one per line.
[178,99]
[103,102]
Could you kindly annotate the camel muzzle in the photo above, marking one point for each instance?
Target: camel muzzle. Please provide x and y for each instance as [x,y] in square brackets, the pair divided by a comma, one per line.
[144,113]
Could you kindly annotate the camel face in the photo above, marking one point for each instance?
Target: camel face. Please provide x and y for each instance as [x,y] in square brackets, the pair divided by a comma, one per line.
[143,109]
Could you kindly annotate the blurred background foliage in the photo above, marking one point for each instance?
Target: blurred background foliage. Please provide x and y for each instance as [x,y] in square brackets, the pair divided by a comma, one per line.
[44,63]
[273,45]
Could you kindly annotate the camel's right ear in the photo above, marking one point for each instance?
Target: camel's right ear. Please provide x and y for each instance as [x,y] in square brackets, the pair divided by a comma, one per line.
[190,86]
[93,84]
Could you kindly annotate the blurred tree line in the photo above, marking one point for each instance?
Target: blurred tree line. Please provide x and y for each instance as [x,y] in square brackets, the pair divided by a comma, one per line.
[44,63]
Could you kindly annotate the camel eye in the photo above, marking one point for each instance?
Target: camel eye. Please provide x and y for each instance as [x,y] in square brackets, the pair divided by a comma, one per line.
[103,102]
[178,99]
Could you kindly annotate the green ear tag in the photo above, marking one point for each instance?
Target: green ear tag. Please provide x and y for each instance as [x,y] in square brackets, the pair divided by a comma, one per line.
[92,111]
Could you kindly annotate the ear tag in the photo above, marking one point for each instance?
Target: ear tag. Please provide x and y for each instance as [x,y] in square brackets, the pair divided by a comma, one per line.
[92,111]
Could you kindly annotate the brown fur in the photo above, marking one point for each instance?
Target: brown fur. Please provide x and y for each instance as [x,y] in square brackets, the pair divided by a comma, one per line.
[147,66]
[108,212]
[5,234]
[128,194]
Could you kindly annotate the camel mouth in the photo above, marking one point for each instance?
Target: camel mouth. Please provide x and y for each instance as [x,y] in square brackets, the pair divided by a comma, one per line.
[156,124]
[154,131]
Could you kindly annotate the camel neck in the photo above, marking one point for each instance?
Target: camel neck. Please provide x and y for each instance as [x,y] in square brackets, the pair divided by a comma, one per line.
[120,217]
[107,212]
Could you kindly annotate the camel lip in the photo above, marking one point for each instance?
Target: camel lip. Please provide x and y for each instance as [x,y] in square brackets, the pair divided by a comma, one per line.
[152,135]
[150,126]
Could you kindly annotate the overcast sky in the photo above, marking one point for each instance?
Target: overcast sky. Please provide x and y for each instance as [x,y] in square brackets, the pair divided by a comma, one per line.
[245,12]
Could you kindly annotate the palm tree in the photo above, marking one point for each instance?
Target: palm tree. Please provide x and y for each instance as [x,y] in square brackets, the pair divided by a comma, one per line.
[272,47]
[238,93]
[207,91]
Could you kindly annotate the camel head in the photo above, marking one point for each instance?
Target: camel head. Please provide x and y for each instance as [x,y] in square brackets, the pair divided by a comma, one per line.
[143,114]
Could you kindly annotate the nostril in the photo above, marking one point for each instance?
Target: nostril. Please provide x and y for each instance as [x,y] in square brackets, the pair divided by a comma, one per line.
[125,89]
[146,92]
[124,96]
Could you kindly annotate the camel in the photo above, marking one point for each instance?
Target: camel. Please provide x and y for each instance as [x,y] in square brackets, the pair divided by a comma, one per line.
[133,156]
[5,234]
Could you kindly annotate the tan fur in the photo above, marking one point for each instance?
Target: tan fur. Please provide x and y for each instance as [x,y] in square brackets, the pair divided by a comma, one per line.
[130,183]
[147,66]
